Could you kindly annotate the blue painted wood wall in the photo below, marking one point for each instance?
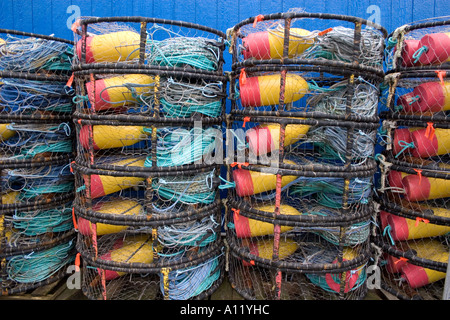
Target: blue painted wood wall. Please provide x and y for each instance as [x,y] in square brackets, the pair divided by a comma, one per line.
[56,16]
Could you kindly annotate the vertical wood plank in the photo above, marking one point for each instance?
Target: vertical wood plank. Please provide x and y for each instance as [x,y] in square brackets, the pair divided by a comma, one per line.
[23,18]
[102,8]
[6,14]
[186,11]
[63,15]
[41,12]
[207,13]
[121,8]
[143,8]
[423,9]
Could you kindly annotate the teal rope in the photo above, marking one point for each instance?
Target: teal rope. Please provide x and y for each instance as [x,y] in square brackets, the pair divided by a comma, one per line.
[405,146]
[38,266]
[181,51]
[419,52]
[43,221]
[180,147]
[319,280]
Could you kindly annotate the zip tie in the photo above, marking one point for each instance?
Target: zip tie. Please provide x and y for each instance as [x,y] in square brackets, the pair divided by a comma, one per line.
[419,173]
[401,259]
[68,87]
[258,18]
[429,132]
[242,77]
[75,225]
[239,164]
[441,74]
[236,213]
[77,262]
[324,32]
[246,119]
[419,219]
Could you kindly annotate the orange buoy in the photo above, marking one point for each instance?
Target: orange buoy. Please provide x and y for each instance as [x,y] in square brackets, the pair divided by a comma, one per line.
[246,227]
[254,182]
[132,249]
[263,248]
[102,185]
[427,97]
[429,144]
[417,276]
[420,188]
[118,91]
[107,137]
[5,133]
[114,207]
[436,48]
[265,90]
[111,47]
[269,44]
[265,138]
[408,229]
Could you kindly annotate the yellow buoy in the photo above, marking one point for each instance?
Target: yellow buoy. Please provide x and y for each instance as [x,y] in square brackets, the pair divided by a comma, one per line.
[5,133]
[114,207]
[417,276]
[10,197]
[265,90]
[102,185]
[407,229]
[419,188]
[263,248]
[247,227]
[132,249]
[269,44]
[107,137]
[265,138]
[254,182]
[117,46]
[118,91]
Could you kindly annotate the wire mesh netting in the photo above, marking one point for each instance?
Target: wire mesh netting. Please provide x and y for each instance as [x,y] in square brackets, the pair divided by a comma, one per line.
[413,217]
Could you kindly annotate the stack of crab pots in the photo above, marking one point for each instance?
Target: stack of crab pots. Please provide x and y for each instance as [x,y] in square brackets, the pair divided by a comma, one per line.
[414,219]
[37,240]
[150,95]
[300,155]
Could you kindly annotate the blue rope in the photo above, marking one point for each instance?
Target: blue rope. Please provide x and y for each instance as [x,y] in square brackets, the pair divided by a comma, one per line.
[190,282]
[31,140]
[187,189]
[19,95]
[32,182]
[35,54]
